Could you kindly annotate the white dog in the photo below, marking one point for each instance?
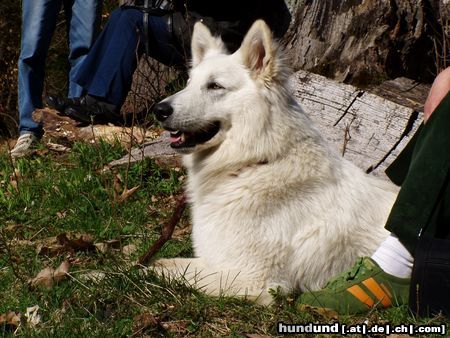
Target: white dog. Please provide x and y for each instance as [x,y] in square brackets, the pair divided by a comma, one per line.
[272,205]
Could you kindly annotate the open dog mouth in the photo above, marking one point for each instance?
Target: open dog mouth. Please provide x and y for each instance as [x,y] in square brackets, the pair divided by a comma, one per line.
[188,139]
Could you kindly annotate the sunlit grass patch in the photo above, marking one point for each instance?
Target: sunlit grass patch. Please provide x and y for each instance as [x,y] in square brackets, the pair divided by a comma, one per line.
[65,209]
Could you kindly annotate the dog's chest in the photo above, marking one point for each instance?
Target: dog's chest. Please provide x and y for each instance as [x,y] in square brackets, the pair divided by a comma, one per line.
[227,229]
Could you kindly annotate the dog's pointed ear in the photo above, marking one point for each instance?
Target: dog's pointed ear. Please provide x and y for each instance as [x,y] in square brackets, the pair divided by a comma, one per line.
[257,49]
[204,42]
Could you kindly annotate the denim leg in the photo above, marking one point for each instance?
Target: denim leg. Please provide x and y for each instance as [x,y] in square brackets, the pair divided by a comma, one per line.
[107,71]
[83,21]
[38,24]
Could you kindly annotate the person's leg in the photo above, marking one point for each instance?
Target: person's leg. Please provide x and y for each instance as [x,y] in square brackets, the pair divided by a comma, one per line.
[393,257]
[107,70]
[425,180]
[418,205]
[83,20]
[38,23]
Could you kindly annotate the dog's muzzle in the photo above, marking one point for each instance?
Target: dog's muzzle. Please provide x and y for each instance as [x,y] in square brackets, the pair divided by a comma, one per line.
[185,138]
[162,111]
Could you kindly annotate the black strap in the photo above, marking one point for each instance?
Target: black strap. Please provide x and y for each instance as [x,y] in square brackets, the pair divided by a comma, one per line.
[151,7]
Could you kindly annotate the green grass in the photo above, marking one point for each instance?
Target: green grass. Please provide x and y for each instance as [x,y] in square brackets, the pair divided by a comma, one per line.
[70,194]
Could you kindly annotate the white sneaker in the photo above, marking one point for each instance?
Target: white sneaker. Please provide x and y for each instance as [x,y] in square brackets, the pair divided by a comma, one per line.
[24,145]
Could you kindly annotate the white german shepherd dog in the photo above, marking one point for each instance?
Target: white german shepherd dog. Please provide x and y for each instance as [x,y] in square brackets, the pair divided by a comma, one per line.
[272,204]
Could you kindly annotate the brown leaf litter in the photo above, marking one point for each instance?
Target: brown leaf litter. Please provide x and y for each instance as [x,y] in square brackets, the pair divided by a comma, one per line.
[10,320]
[121,193]
[54,246]
[147,321]
[48,276]
[65,129]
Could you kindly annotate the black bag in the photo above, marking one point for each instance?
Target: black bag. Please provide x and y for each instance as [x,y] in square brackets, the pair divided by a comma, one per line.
[430,281]
[162,8]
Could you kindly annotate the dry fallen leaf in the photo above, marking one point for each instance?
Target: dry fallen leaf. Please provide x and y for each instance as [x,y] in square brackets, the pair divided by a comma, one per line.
[53,246]
[32,315]
[61,214]
[121,193]
[10,319]
[59,148]
[176,326]
[118,181]
[127,193]
[129,249]
[182,233]
[106,246]
[15,230]
[48,276]
[102,247]
[14,179]
[326,313]
[13,227]
[84,243]
[44,277]
[144,321]
[50,250]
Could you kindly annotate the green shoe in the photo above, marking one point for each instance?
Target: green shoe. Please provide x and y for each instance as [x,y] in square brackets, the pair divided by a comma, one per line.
[358,290]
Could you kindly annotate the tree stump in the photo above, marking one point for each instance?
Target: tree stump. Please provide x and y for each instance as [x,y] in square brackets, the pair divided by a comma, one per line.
[369,41]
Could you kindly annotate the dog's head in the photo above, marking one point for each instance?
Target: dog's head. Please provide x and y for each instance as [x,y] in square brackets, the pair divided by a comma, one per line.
[223,91]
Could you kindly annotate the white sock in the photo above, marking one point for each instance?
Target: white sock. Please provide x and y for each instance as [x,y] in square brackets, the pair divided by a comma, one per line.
[394,258]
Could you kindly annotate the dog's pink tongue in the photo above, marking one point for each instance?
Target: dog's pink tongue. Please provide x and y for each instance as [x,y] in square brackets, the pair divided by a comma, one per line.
[174,139]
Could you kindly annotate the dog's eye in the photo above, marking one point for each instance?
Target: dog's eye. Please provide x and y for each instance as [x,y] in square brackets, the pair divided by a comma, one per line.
[214,86]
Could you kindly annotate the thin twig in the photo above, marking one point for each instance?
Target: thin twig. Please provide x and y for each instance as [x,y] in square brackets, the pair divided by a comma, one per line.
[166,232]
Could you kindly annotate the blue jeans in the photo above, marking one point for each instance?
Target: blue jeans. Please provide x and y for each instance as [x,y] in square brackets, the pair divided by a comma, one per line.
[39,18]
[107,72]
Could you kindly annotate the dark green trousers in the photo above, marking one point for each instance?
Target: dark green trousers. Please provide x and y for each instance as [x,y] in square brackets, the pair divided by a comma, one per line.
[423,171]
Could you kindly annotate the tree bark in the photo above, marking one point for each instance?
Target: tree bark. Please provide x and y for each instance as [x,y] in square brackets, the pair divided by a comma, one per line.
[368,41]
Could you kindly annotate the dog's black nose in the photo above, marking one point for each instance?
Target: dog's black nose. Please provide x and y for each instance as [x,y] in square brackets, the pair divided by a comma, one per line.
[162,111]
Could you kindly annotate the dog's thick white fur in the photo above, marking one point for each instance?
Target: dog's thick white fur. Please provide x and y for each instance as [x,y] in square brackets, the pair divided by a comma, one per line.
[272,204]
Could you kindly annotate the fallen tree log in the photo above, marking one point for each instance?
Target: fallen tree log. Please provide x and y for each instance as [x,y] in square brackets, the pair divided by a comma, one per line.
[368,129]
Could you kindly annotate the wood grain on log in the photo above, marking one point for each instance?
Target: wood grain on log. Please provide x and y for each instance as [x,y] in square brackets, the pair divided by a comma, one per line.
[158,149]
[367,129]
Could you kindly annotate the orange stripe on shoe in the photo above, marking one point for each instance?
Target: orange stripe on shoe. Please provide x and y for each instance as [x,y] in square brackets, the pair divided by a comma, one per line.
[363,297]
[376,289]
[386,289]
